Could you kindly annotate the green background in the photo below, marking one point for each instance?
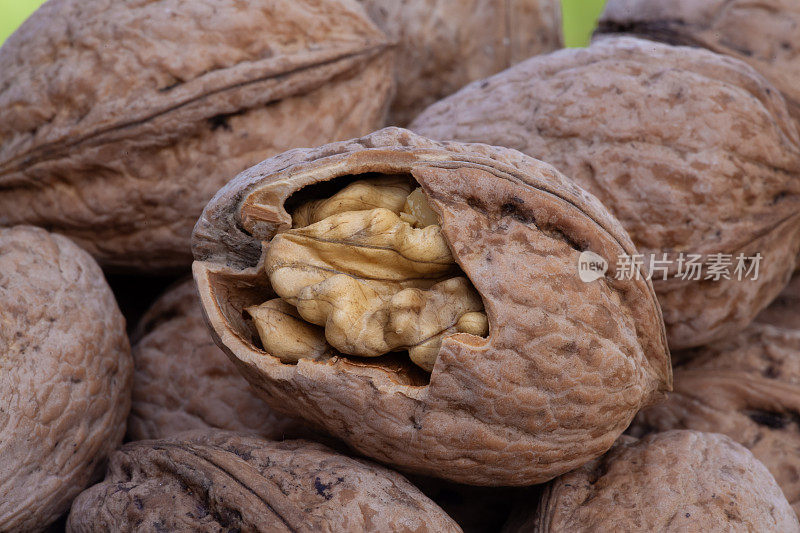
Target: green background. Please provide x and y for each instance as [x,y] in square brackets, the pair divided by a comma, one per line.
[579,17]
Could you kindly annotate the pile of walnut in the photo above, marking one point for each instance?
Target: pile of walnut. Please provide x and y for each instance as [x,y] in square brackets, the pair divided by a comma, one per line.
[371,328]
[366,272]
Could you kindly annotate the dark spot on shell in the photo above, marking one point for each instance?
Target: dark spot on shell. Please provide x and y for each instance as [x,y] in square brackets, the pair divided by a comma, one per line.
[243,454]
[222,121]
[772,372]
[773,419]
[570,347]
[778,197]
[322,489]
[476,203]
[512,209]
[170,87]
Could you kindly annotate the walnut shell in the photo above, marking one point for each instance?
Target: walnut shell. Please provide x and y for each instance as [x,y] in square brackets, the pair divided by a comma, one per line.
[119,121]
[183,381]
[763,34]
[565,367]
[747,387]
[211,480]
[671,481]
[65,375]
[784,311]
[445,44]
[693,152]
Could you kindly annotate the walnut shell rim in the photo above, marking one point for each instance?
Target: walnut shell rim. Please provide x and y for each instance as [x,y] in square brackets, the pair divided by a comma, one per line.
[227,247]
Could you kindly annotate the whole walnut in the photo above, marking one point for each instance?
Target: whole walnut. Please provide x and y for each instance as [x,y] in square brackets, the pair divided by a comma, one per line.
[671,481]
[443,45]
[422,302]
[784,311]
[183,381]
[747,387]
[119,120]
[764,34]
[693,152]
[222,481]
[65,376]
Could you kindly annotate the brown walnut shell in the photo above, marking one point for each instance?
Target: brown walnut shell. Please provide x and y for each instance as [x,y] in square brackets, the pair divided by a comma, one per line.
[120,120]
[183,381]
[671,481]
[784,311]
[764,34]
[442,45]
[65,375]
[747,387]
[693,152]
[566,364]
[214,481]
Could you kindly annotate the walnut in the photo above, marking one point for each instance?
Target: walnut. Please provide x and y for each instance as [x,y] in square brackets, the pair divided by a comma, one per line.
[119,120]
[783,311]
[65,376]
[565,364]
[377,280]
[213,481]
[443,45]
[671,481]
[183,381]
[747,387]
[763,34]
[693,152]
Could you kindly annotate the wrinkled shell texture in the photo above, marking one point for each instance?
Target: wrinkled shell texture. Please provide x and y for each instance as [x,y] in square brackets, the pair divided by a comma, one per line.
[65,375]
[119,120]
[691,151]
[442,45]
[672,481]
[764,34]
[183,381]
[214,481]
[747,387]
[784,311]
[566,363]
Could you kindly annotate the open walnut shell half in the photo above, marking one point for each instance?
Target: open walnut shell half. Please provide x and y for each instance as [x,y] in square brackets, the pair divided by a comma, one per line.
[565,365]
[747,387]
[672,481]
